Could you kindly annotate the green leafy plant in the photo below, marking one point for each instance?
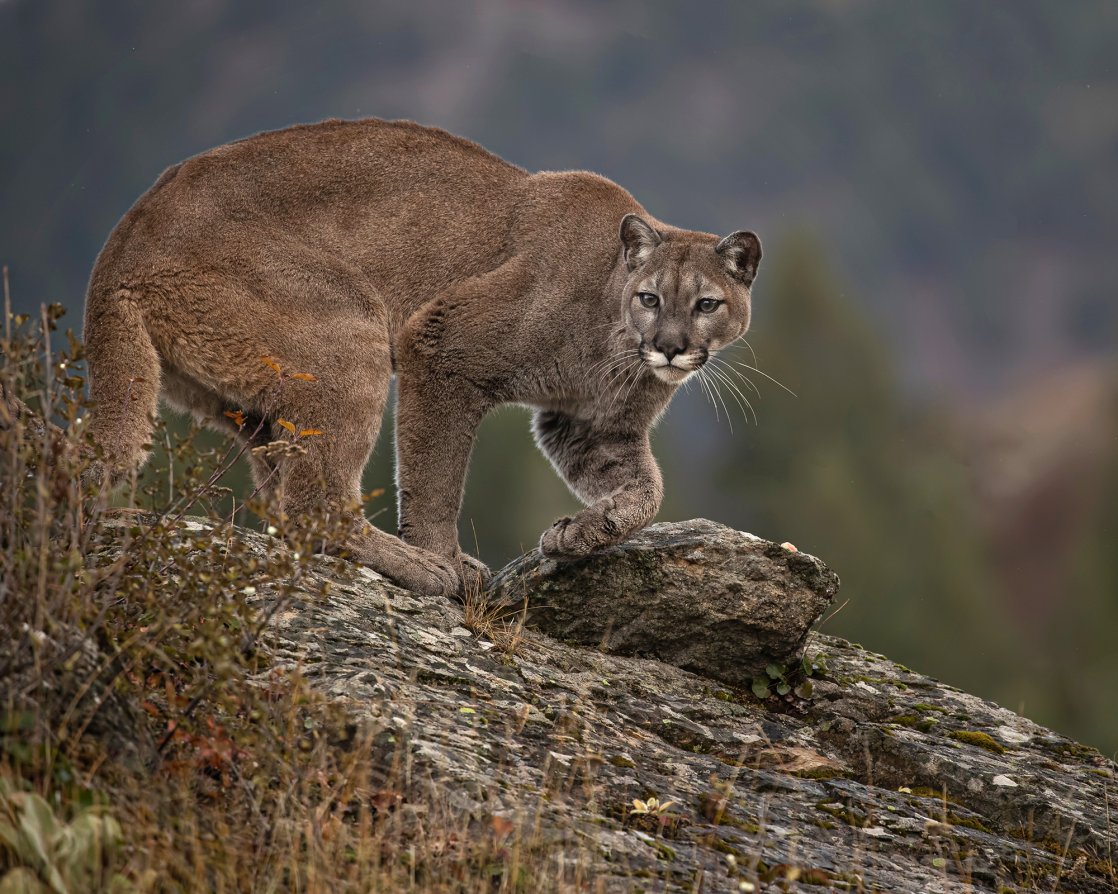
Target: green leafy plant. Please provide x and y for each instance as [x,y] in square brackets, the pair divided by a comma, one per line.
[42,853]
[780,679]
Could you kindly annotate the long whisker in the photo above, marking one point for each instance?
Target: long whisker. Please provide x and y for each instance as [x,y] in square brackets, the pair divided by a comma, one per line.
[617,375]
[751,351]
[718,391]
[623,349]
[636,378]
[706,391]
[614,364]
[635,371]
[703,371]
[709,391]
[620,375]
[748,381]
[632,374]
[603,368]
[766,375]
[736,392]
[624,352]
[721,379]
[730,372]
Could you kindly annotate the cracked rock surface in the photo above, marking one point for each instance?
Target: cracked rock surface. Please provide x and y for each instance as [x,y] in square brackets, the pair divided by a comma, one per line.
[696,594]
[879,779]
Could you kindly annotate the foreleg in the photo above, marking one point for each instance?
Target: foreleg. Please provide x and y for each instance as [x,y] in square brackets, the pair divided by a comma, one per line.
[614,473]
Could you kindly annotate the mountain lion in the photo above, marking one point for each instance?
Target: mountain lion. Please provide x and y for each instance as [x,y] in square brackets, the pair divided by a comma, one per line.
[350,251]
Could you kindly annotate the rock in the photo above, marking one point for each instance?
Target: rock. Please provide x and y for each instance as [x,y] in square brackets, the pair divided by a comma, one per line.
[881,780]
[695,594]
[70,670]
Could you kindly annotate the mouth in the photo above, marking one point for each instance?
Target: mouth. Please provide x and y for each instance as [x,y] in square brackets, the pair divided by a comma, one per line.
[671,373]
[676,370]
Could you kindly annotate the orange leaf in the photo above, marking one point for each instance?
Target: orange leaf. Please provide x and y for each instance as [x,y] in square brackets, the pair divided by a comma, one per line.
[373,494]
[283,423]
[236,415]
[309,432]
[502,827]
[304,377]
[270,363]
[386,800]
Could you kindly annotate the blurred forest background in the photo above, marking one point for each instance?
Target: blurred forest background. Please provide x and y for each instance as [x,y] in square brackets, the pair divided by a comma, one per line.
[937,189]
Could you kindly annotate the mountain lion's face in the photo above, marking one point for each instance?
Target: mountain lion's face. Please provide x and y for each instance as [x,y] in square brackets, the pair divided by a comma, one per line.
[685,298]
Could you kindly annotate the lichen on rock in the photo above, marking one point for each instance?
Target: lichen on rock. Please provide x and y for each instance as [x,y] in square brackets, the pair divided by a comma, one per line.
[632,684]
[694,594]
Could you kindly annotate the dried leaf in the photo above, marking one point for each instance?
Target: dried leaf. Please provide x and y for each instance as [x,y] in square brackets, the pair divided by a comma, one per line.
[386,799]
[502,827]
[270,363]
[283,423]
[309,432]
[304,377]
[236,415]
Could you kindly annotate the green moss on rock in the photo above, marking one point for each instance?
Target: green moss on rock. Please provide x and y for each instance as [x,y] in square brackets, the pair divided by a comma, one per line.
[978,739]
[822,772]
[968,822]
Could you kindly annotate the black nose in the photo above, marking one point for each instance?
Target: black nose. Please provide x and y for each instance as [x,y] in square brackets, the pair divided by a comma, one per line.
[669,351]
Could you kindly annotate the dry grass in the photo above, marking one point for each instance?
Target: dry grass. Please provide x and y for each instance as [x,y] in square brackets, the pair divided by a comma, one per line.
[502,626]
[137,701]
[147,742]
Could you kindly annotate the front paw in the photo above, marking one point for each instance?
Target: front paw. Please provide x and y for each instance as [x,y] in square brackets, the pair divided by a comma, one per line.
[475,574]
[573,538]
[407,566]
[430,575]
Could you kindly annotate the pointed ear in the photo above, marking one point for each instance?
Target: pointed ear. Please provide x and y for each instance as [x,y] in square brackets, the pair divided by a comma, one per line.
[639,239]
[741,251]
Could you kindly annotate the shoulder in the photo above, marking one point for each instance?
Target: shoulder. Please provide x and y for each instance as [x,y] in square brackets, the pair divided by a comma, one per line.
[581,194]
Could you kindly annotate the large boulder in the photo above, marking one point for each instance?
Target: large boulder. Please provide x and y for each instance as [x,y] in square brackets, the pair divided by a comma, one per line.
[694,594]
[877,779]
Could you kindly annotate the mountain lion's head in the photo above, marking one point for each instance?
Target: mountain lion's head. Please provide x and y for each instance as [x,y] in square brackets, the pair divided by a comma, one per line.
[686,297]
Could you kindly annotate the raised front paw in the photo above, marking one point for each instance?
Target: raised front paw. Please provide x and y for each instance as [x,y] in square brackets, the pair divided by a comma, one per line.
[572,538]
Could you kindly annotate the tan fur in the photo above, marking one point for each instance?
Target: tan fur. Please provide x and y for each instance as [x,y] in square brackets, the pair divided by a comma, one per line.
[352,250]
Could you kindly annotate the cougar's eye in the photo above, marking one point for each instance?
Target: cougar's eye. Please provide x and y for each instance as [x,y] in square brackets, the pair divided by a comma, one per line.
[708,305]
[649,300]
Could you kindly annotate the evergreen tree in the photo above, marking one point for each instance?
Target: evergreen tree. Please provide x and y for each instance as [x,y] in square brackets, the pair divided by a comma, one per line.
[847,471]
[1083,641]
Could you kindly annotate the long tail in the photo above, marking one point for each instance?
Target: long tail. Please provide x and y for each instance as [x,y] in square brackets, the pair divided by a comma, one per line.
[124,379]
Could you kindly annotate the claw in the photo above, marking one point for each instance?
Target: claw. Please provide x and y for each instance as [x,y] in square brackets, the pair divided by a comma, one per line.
[474,573]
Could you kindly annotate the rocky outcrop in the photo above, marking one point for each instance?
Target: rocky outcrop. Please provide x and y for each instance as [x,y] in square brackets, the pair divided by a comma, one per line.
[840,770]
[698,595]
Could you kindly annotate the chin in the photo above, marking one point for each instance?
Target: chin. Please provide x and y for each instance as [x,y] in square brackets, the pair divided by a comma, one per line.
[673,375]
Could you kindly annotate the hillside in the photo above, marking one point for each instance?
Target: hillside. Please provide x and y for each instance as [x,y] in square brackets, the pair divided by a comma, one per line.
[497,757]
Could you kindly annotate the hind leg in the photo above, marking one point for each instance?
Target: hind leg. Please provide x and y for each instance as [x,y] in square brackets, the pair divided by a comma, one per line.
[209,408]
[343,352]
[326,473]
[320,474]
